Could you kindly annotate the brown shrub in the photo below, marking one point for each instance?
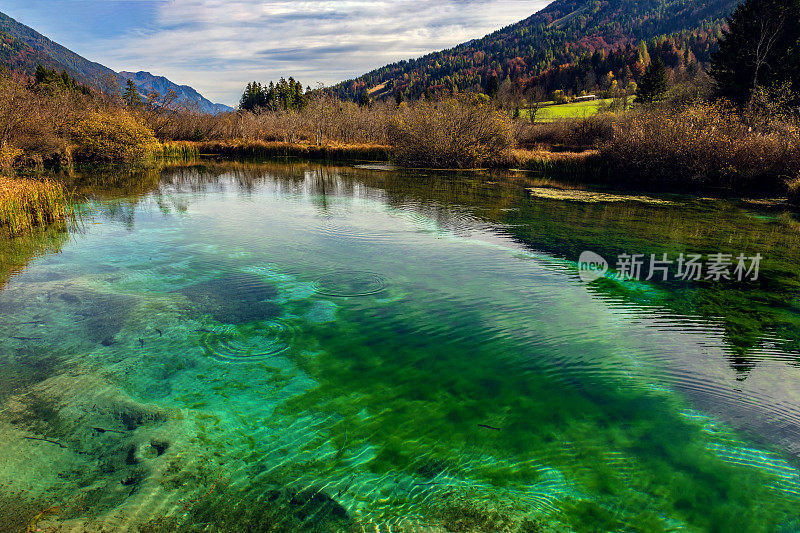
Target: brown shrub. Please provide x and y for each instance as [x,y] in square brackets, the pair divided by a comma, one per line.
[39,120]
[459,132]
[706,145]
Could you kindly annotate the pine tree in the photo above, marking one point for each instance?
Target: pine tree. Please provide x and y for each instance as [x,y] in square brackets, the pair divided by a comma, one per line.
[285,95]
[41,73]
[761,47]
[654,83]
[131,96]
[492,86]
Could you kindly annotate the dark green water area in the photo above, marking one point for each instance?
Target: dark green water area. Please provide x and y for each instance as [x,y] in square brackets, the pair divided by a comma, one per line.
[247,347]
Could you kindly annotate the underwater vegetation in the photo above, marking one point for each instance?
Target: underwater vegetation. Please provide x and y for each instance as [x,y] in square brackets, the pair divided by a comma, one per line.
[278,509]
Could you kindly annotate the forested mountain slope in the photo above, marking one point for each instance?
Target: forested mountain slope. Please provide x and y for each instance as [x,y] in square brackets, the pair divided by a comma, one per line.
[571,45]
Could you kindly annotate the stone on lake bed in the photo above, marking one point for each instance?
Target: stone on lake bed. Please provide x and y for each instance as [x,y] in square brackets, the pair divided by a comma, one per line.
[235,298]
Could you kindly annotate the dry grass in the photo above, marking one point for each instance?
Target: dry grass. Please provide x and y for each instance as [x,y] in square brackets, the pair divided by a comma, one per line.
[267,149]
[180,149]
[26,204]
[586,165]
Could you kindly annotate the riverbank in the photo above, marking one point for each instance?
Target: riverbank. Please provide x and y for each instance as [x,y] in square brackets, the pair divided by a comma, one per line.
[238,148]
[693,145]
[568,162]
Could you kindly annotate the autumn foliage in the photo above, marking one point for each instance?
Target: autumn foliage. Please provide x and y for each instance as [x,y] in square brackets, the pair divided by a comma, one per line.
[112,136]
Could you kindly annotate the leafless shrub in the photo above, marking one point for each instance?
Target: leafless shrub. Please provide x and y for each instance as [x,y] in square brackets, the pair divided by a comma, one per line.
[456,133]
[707,144]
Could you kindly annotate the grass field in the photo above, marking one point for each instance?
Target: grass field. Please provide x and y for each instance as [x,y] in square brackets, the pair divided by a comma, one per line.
[549,113]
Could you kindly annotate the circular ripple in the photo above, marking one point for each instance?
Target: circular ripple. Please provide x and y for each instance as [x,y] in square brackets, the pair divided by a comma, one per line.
[340,229]
[231,345]
[344,283]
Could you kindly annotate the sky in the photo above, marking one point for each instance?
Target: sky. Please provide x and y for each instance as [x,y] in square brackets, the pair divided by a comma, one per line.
[217,46]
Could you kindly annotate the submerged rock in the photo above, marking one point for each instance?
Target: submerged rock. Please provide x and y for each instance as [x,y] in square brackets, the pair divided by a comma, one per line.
[235,298]
[95,446]
[104,315]
[101,314]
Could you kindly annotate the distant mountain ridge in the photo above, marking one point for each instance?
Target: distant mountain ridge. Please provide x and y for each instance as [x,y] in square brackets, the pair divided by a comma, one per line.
[148,83]
[23,48]
[557,48]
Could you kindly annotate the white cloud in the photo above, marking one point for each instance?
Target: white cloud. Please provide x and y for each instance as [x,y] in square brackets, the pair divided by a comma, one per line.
[217,46]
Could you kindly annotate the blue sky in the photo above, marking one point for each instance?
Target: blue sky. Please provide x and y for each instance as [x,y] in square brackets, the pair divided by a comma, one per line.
[217,46]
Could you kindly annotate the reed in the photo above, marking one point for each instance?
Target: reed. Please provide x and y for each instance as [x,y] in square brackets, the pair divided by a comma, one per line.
[26,204]
[184,150]
[264,149]
[584,166]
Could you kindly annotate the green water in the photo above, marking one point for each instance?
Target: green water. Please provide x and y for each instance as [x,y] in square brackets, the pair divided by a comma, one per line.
[275,347]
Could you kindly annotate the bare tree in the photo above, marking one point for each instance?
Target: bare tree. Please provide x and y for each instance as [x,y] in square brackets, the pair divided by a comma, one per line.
[535,98]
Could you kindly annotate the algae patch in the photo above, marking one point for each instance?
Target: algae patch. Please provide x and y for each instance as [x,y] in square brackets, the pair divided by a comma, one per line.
[235,298]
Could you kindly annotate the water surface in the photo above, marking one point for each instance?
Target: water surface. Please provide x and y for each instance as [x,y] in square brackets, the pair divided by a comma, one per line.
[292,347]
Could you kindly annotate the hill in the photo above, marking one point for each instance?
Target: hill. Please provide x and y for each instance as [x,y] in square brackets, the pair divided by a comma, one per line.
[573,45]
[22,49]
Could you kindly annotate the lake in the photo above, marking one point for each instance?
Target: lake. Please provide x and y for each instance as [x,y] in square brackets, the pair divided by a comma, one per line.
[301,347]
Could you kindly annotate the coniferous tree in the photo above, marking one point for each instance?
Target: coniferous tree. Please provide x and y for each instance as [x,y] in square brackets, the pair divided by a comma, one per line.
[761,47]
[49,79]
[286,95]
[654,83]
[131,96]
[493,85]
[41,74]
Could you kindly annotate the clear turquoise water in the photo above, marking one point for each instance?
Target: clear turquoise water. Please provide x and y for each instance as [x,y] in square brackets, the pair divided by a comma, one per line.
[243,347]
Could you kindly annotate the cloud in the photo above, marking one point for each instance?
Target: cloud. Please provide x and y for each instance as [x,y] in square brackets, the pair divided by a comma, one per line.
[218,45]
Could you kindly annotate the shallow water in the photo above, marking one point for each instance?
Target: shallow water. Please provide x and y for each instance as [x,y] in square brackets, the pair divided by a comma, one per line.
[259,347]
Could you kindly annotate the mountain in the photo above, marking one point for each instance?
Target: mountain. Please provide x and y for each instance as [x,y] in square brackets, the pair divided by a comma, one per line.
[148,83]
[22,49]
[571,44]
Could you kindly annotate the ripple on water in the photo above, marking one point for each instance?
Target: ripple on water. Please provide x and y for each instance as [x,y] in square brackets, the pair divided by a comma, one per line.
[347,283]
[230,344]
[342,229]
